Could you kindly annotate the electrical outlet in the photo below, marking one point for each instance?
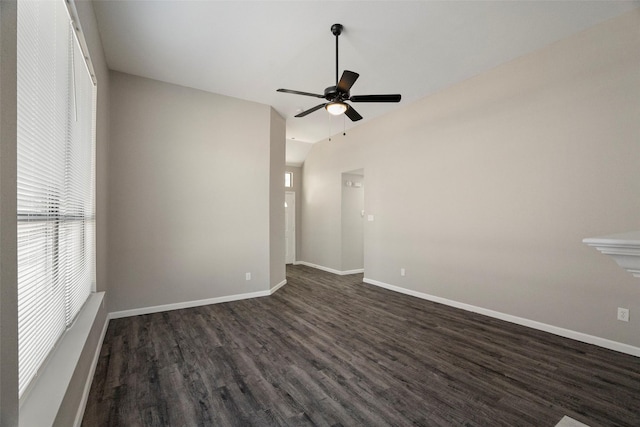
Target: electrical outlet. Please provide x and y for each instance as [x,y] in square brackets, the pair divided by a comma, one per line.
[247,276]
[623,314]
[402,272]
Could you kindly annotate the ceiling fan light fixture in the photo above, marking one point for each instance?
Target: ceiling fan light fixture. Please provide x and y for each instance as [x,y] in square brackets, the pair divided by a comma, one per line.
[336,108]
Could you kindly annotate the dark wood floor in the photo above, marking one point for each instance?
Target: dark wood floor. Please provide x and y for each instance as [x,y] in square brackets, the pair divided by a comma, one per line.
[330,350]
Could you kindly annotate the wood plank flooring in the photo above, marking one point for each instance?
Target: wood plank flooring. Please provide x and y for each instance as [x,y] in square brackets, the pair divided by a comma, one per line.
[329,350]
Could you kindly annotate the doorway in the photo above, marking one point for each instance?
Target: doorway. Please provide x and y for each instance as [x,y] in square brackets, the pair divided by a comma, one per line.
[290,226]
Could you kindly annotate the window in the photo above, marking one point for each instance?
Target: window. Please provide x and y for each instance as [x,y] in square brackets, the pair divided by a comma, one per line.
[56,152]
[288,179]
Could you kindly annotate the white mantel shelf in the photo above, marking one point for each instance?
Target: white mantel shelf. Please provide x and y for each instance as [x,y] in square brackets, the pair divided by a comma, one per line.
[624,248]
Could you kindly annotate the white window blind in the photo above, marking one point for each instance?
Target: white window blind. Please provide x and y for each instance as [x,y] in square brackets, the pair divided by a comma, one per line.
[56,197]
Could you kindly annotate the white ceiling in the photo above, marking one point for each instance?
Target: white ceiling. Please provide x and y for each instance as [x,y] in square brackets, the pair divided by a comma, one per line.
[248,49]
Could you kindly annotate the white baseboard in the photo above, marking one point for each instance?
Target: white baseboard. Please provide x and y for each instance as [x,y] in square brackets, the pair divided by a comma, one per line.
[328,269]
[278,286]
[566,333]
[196,303]
[92,371]
[187,304]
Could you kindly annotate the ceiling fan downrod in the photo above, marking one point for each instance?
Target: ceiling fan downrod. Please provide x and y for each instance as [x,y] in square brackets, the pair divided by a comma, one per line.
[336,29]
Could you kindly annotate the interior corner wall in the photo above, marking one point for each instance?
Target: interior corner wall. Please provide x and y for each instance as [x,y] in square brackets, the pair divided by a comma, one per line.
[297,188]
[189,194]
[277,140]
[8,219]
[484,191]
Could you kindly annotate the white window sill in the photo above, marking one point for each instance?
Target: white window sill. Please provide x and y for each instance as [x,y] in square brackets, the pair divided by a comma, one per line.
[40,405]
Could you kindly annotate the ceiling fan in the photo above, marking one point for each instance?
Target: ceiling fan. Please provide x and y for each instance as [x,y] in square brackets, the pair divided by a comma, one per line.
[338,94]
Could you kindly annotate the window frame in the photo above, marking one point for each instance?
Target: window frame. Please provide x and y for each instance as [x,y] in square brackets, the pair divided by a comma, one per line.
[55,216]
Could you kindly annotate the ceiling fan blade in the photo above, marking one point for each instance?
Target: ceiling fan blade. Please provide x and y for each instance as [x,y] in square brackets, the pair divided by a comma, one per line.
[352,114]
[347,80]
[376,98]
[297,92]
[311,110]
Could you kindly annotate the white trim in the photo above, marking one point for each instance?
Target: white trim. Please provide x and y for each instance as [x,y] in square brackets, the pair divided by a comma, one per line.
[566,333]
[278,286]
[92,371]
[624,248]
[186,304]
[328,269]
[40,405]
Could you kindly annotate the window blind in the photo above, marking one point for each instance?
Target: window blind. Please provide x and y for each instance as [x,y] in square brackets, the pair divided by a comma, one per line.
[55,179]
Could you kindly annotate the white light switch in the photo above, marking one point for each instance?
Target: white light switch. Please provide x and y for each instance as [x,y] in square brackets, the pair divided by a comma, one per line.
[247,276]
[369,217]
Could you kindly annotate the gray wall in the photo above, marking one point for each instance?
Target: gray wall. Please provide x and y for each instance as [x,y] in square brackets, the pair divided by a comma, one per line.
[297,188]
[352,223]
[484,191]
[8,226]
[276,200]
[189,194]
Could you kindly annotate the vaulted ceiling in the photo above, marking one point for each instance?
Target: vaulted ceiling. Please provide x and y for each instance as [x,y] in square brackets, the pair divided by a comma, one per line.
[248,49]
